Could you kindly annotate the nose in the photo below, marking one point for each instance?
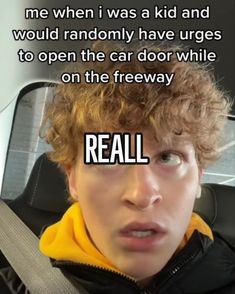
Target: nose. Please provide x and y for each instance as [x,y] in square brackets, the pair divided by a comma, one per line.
[143,188]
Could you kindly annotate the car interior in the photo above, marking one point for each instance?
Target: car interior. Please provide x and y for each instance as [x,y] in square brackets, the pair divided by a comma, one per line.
[44,199]
[33,187]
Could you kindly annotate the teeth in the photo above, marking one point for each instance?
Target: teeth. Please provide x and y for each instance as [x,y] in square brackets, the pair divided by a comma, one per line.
[141,234]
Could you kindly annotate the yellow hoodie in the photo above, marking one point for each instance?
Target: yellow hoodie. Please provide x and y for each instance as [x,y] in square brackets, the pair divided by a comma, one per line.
[68,239]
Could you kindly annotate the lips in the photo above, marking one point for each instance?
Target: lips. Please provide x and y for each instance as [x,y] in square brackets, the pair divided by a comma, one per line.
[138,236]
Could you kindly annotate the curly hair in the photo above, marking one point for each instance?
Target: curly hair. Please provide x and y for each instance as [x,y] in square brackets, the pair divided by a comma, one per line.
[192,106]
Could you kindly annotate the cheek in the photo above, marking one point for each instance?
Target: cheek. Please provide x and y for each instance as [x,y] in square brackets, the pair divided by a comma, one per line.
[98,199]
[182,192]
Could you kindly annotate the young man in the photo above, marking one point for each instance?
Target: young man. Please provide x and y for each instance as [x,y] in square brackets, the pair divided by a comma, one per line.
[131,228]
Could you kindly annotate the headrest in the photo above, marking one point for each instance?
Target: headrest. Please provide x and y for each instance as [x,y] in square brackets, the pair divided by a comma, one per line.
[46,188]
[217,207]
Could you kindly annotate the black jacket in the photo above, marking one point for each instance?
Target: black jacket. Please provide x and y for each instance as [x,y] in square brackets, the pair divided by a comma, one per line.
[203,267]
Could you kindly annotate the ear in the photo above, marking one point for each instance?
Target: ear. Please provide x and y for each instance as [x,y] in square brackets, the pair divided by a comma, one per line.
[199,191]
[72,181]
[200,173]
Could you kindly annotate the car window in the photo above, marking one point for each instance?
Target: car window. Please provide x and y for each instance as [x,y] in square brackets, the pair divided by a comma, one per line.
[223,171]
[25,144]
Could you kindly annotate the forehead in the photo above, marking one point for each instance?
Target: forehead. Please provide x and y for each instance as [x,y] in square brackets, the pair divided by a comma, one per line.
[149,140]
[165,139]
[152,144]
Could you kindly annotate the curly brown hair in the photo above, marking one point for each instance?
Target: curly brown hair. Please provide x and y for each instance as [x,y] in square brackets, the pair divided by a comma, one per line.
[193,106]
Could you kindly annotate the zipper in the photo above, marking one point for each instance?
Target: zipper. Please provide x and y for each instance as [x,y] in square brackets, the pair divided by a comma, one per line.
[175,269]
[181,265]
[148,290]
[178,268]
[106,270]
[123,276]
[171,274]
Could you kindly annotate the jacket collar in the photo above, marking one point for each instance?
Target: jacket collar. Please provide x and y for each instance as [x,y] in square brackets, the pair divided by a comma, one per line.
[71,233]
[90,276]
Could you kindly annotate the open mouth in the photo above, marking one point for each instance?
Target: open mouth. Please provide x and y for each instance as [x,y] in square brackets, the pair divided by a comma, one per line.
[142,236]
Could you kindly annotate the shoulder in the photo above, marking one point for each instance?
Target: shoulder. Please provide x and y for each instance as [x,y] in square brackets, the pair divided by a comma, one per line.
[214,271]
[222,249]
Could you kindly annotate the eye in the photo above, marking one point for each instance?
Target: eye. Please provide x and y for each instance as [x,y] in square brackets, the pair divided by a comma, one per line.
[169,158]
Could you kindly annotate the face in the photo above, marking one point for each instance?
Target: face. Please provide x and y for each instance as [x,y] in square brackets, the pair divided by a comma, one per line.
[137,215]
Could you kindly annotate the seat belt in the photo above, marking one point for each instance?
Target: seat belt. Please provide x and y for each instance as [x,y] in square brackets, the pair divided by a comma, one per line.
[20,246]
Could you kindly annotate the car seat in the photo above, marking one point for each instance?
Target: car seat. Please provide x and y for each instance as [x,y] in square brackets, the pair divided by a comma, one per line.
[44,199]
[217,207]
